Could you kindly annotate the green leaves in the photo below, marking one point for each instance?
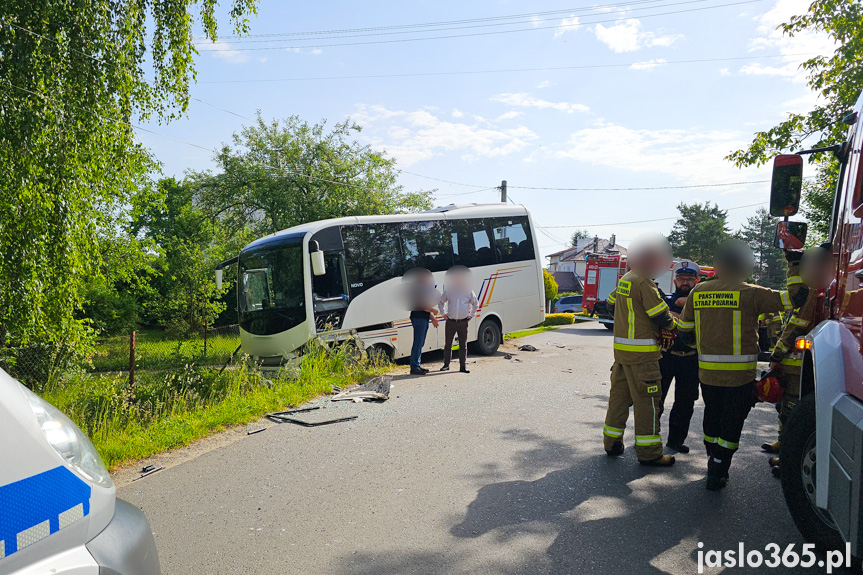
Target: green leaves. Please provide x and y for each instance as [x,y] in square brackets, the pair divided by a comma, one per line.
[839,81]
[698,231]
[284,173]
[73,80]
[550,286]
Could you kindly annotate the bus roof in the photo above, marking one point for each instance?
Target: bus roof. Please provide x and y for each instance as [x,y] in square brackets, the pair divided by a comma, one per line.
[450,212]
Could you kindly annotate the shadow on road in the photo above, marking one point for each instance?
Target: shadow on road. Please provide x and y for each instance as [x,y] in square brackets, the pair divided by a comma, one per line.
[602,515]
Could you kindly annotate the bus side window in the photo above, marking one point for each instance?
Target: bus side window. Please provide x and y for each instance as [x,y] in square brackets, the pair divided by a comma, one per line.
[512,239]
[428,245]
[372,254]
[471,243]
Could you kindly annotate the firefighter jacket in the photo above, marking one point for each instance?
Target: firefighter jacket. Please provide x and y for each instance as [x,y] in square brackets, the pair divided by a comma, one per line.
[723,316]
[639,314]
[800,322]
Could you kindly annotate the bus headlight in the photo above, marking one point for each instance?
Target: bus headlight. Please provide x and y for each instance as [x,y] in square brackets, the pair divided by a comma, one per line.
[69,441]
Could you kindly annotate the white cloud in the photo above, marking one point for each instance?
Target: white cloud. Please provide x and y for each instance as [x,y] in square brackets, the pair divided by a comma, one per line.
[570,24]
[724,72]
[509,115]
[649,65]
[224,51]
[411,137]
[628,37]
[316,52]
[456,113]
[793,49]
[523,100]
[545,84]
[692,155]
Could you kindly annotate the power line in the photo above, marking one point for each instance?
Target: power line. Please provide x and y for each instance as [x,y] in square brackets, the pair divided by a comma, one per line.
[533,20]
[498,71]
[496,32]
[727,184]
[442,23]
[644,221]
[440,180]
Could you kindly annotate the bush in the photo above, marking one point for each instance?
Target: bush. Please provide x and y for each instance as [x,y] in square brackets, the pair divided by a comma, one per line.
[559,319]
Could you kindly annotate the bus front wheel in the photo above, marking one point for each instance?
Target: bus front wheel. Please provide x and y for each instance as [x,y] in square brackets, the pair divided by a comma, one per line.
[488,337]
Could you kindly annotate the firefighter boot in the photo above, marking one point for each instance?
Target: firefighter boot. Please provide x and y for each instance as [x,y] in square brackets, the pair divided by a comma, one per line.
[664,461]
[717,474]
[773,461]
[616,449]
[770,447]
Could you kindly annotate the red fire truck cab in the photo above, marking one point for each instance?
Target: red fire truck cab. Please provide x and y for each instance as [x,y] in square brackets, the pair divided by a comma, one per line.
[822,442]
[602,271]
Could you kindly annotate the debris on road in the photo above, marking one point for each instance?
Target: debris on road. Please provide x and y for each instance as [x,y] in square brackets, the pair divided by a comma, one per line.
[527,347]
[148,470]
[508,356]
[376,389]
[288,417]
[254,431]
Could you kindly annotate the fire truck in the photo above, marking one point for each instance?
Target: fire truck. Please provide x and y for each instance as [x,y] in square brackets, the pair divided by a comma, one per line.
[822,442]
[602,272]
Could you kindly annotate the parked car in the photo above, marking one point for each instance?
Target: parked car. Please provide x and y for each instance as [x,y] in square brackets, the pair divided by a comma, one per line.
[568,304]
[59,511]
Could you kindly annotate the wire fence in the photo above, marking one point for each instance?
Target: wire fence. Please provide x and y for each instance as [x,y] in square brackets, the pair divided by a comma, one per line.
[140,351]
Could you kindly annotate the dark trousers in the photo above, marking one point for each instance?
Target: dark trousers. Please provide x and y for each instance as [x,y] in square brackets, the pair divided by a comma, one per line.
[683,369]
[453,327]
[725,411]
[421,328]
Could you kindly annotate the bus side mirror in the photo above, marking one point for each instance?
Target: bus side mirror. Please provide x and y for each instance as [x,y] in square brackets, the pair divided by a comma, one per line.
[790,235]
[786,185]
[219,280]
[319,267]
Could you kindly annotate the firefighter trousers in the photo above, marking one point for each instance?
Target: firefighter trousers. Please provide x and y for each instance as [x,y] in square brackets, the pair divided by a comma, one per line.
[640,387]
[725,412]
[790,395]
[683,369]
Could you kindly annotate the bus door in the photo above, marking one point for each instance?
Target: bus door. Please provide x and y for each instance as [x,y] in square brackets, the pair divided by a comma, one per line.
[330,293]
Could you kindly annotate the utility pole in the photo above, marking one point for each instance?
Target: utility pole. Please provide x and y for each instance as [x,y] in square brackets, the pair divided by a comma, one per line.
[503,191]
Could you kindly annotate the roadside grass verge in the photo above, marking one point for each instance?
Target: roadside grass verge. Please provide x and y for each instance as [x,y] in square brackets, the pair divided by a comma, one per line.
[158,350]
[531,331]
[171,409]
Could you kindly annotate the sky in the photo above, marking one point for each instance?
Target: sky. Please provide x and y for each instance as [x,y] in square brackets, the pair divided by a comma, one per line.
[593,97]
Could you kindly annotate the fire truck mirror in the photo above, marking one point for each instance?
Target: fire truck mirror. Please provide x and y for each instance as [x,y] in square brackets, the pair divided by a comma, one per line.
[790,235]
[786,185]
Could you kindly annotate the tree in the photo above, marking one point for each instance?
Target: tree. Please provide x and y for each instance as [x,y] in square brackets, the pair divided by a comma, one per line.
[758,232]
[286,173]
[184,298]
[697,233]
[550,286]
[838,79]
[578,235]
[818,202]
[74,78]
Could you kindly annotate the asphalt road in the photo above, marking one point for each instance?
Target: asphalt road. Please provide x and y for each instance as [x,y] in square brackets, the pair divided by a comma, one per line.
[500,471]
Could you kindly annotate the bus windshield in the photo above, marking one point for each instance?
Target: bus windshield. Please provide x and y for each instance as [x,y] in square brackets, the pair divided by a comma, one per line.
[271,297]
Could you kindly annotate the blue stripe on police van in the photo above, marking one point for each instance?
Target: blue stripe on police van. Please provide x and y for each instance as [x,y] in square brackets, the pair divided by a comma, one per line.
[37,506]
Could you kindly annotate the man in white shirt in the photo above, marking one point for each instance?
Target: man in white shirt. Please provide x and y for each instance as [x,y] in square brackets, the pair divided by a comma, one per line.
[458,305]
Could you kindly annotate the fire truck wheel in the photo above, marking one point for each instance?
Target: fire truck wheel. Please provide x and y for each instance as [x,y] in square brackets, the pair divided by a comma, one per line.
[609,326]
[797,454]
[488,337]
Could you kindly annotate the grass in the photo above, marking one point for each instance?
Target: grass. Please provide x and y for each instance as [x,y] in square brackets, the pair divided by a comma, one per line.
[169,410]
[157,350]
[531,331]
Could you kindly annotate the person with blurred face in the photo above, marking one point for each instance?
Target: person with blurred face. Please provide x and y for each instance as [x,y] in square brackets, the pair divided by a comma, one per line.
[458,304]
[816,271]
[639,314]
[679,362]
[421,295]
[721,318]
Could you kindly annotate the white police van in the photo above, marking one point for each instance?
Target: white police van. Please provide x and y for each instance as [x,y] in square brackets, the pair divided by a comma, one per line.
[59,511]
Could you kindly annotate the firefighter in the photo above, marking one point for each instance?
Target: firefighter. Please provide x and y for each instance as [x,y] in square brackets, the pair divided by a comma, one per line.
[639,314]
[679,362]
[723,317]
[786,361]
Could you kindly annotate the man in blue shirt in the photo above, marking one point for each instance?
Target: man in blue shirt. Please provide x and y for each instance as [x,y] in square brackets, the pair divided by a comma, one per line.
[679,362]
